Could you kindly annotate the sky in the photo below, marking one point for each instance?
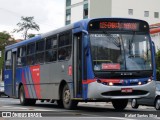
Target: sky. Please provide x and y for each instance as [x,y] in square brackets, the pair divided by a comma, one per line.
[48,14]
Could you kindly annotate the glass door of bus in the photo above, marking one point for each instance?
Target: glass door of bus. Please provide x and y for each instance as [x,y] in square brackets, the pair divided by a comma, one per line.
[77,64]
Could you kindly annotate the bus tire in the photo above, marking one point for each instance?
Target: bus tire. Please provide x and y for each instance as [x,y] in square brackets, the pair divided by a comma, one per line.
[157,103]
[134,104]
[119,104]
[66,98]
[23,100]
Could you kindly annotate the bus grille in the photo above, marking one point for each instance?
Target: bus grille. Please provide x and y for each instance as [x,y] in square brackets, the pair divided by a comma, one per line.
[119,93]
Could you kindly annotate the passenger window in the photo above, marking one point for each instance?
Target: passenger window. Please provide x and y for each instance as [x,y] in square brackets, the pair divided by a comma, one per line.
[51,43]
[21,56]
[64,46]
[31,54]
[51,49]
[8,57]
[39,58]
[40,46]
[31,48]
[65,40]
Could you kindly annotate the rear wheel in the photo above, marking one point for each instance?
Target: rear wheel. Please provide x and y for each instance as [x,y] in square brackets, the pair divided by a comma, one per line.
[120,104]
[134,104]
[66,97]
[157,104]
[23,100]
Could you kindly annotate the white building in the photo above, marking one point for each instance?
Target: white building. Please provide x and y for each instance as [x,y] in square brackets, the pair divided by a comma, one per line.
[148,10]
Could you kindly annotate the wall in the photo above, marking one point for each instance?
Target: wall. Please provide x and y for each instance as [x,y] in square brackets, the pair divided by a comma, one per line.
[120,9]
[77,13]
[100,8]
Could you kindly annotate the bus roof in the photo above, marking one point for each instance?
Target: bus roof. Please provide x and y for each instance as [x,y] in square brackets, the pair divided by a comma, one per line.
[77,27]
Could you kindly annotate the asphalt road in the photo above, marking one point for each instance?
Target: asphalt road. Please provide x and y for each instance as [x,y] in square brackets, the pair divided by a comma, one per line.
[94,111]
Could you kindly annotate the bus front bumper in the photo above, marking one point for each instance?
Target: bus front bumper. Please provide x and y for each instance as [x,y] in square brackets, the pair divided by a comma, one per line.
[100,91]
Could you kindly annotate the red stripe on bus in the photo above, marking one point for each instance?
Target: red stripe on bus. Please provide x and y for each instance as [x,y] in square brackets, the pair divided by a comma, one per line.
[102,80]
[25,86]
[88,81]
[35,72]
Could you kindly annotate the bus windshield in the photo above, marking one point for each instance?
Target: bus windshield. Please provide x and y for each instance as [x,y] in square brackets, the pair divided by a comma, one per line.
[120,52]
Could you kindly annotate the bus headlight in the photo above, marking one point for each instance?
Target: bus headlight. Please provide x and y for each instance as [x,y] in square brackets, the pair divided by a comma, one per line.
[110,84]
[139,83]
[149,80]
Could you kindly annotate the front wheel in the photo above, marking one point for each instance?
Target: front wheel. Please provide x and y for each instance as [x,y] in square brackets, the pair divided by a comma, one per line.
[134,104]
[66,98]
[23,100]
[157,104]
[119,104]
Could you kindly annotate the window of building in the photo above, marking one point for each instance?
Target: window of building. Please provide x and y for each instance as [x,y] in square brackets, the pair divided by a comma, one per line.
[85,11]
[130,11]
[21,56]
[39,56]
[68,2]
[146,13]
[31,54]
[68,16]
[51,49]
[64,46]
[8,60]
[156,14]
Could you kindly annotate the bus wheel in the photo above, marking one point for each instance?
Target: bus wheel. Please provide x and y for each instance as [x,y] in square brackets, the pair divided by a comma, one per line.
[66,97]
[119,104]
[157,104]
[134,104]
[23,100]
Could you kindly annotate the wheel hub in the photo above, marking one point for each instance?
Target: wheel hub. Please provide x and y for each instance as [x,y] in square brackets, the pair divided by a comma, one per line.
[158,103]
[66,96]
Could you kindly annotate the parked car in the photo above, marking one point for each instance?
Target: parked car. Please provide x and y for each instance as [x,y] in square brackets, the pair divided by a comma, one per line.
[2,89]
[148,102]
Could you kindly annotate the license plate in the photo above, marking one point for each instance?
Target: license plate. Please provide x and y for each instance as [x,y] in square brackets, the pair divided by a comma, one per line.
[126,90]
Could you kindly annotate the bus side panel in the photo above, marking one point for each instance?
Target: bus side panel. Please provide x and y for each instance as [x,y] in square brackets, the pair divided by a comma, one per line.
[51,76]
[30,78]
[8,82]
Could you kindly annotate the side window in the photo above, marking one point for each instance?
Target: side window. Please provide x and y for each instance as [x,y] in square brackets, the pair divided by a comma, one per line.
[30,54]
[8,61]
[51,49]
[21,56]
[64,46]
[39,57]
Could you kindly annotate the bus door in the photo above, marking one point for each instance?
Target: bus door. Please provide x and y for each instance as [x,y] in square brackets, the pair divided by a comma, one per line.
[77,64]
[14,54]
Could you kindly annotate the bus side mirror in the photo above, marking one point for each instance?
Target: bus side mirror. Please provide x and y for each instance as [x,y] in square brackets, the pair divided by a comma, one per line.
[86,41]
[86,44]
[154,49]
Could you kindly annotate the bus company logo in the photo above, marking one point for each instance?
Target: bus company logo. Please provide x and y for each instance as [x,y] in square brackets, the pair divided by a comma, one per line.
[6,114]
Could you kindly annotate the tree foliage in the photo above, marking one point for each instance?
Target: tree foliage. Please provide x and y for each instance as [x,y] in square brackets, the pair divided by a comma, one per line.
[31,35]
[5,39]
[27,23]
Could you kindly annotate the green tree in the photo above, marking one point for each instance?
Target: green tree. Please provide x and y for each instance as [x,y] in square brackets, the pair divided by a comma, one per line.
[31,35]
[27,23]
[5,39]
